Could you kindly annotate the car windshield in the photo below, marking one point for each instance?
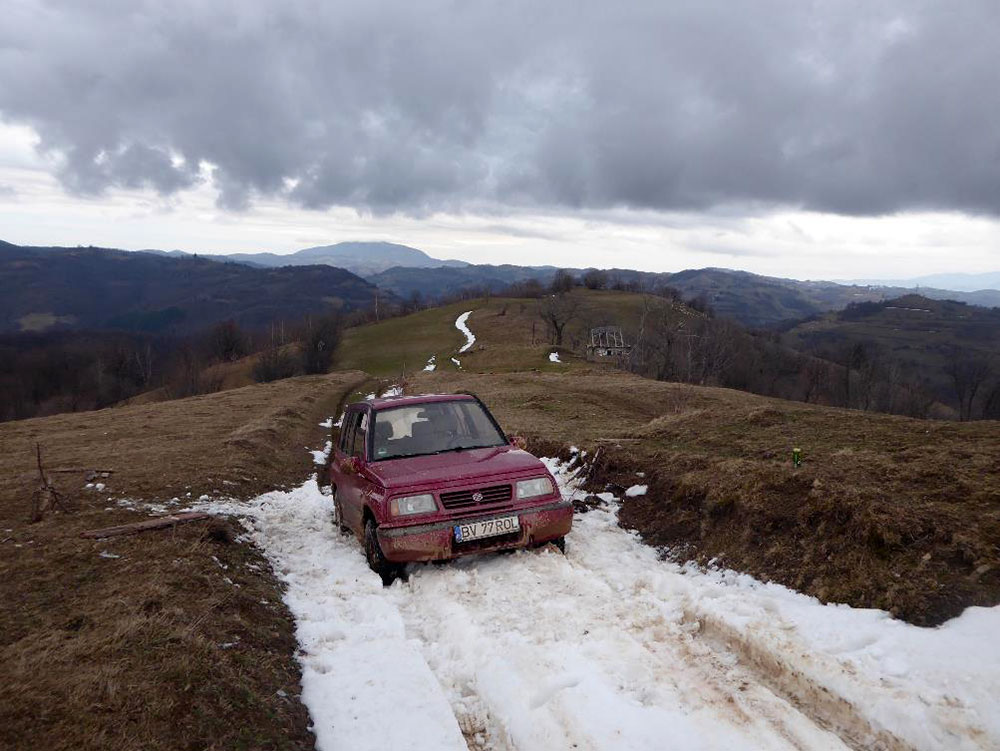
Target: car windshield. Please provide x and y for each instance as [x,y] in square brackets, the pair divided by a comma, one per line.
[433,428]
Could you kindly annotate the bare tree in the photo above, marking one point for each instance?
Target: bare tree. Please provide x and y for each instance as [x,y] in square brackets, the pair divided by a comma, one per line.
[562,282]
[991,403]
[320,345]
[558,311]
[968,372]
[226,342]
[595,279]
[815,379]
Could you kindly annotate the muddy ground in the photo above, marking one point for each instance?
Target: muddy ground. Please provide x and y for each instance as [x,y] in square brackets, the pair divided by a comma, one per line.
[885,512]
[173,639]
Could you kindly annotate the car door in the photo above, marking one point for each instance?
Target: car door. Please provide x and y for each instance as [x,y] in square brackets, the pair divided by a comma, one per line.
[354,483]
[343,474]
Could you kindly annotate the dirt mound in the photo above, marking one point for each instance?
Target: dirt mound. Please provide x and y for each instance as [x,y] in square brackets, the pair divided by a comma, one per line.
[907,533]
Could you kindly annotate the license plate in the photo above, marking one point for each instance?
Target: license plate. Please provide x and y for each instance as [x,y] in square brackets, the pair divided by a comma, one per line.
[486,528]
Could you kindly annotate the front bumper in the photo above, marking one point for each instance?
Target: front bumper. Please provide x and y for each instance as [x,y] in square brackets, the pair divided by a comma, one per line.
[435,541]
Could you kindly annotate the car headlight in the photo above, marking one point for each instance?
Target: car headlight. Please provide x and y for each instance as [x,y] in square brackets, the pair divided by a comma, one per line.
[412,504]
[533,488]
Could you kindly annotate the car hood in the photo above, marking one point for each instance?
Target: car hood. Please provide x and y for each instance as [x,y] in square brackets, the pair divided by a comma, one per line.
[456,467]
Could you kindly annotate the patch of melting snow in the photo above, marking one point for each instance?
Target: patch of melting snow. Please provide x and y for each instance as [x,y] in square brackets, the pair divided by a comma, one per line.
[431,364]
[636,490]
[340,420]
[393,390]
[554,357]
[606,647]
[151,508]
[320,456]
[327,423]
[457,363]
[106,554]
[460,324]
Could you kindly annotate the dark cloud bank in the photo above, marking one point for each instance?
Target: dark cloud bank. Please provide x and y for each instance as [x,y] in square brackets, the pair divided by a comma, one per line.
[851,107]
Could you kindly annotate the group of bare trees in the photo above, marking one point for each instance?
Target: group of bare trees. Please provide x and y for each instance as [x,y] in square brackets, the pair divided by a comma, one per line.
[679,346]
[69,371]
[307,348]
[975,378]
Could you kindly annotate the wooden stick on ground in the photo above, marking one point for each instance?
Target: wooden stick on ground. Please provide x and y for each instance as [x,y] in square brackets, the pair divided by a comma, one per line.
[46,497]
[134,528]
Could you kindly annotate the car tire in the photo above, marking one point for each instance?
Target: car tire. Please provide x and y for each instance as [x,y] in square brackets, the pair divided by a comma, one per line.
[338,516]
[559,542]
[376,558]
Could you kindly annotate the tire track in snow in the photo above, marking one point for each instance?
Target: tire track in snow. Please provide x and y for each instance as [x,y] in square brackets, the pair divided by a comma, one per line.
[604,648]
[558,654]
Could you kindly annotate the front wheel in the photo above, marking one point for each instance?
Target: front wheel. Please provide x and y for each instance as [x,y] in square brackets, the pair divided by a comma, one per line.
[376,558]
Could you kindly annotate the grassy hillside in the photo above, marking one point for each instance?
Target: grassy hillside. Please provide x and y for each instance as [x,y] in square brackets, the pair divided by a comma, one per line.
[170,639]
[923,336]
[510,335]
[885,512]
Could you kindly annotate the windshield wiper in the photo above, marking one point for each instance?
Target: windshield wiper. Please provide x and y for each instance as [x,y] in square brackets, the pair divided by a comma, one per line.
[463,448]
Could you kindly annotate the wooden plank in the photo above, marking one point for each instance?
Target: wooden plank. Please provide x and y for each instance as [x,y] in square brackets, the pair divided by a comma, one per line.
[160,522]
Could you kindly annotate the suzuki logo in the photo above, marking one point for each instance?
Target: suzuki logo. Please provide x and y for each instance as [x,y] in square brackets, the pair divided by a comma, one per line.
[477,497]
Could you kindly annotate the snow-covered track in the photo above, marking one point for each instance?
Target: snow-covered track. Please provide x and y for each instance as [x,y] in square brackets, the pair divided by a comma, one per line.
[608,647]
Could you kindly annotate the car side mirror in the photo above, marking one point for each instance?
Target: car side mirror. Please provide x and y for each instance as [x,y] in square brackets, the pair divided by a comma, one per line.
[517,441]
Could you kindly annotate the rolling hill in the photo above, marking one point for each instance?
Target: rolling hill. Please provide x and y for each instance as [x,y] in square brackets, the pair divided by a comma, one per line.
[751,299]
[916,334]
[361,258]
[73,288]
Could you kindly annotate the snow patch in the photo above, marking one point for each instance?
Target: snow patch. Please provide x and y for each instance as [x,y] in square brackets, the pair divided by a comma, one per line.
[554,357]
[320,456]
[327,423]
[457,363]
[470,338]
[355,655]
[636,490]
[606,647]
[431,364]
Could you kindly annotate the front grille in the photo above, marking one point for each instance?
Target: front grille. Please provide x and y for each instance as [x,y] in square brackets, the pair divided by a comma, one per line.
[490,497]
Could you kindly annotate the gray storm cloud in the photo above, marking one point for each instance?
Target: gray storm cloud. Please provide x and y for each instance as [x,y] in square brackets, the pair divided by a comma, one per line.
[849,107]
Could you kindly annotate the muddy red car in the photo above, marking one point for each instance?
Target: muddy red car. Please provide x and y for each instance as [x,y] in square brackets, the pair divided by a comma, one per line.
[433,477]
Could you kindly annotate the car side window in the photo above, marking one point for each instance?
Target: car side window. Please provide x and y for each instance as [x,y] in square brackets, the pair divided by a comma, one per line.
[360,435]
[347,432]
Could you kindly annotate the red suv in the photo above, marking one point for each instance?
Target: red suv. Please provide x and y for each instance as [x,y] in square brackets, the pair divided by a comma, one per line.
[432,477]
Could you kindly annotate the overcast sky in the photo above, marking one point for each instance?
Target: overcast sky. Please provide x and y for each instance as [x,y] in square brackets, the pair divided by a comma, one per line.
[807,139]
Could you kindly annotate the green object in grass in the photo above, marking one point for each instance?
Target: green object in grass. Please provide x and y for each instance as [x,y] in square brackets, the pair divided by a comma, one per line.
[796,457]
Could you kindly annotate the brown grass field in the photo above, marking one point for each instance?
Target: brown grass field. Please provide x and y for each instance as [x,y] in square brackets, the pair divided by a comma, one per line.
[179,641]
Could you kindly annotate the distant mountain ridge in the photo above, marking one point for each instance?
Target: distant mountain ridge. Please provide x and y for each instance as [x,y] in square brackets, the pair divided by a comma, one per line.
[751,299]
[361,258]
[50,288]
[959,282]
